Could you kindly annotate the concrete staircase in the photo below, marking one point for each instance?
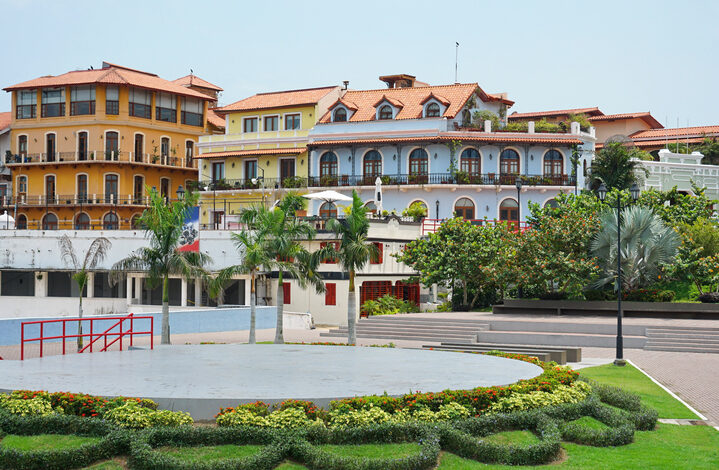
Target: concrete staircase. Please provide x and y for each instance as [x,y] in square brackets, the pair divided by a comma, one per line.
[683,339]
[406,327]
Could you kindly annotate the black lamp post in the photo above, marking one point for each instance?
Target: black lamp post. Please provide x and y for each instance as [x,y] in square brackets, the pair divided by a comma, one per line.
[180,193]
[518,184]
[602,192]
[436,209]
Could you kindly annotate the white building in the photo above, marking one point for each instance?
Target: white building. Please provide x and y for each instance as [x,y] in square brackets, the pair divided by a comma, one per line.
[680,170]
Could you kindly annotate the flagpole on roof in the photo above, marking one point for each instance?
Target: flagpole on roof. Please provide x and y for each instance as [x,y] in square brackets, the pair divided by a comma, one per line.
[456,60]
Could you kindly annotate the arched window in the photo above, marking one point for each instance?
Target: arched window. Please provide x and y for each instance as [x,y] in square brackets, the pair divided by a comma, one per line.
[552,203]
[432,110]
[50,189]
[372,166]
[49,222]
[111,188]
[464,208]
[509,211]
[328,165]
[165,187]
[82,141]
[509,162]
[22,146]
[138,189]
[82,221]
[471,163]
[111,145]
[110,221]
[21,186]
[139,147]
[135,221]
[385,112]
[553,165]
[418,166]
[371,207]
[421,203]
[82,189]
[165,147]
[340,115]
[21,222]
[328,210]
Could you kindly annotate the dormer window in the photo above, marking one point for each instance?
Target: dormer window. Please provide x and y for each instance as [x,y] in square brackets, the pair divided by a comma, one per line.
[340,115]
[385,112]
[432,110]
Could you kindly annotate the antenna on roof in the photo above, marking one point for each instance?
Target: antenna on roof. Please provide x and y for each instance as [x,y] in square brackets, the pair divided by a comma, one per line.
[191,72]
[666,134]
[456,60]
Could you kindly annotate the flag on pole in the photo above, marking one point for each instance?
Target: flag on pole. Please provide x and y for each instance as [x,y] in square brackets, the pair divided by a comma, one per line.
[190,237]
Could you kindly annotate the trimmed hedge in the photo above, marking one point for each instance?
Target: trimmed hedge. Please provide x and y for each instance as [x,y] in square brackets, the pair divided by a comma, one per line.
[113,443]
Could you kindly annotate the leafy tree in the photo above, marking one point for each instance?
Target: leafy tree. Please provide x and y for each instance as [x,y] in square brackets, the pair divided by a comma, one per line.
[353,253]
[615,167]
[94,255]
[478,118]
[646,245]
[283,251]
[676,208]
[163,225]
[697,259]
[710,149]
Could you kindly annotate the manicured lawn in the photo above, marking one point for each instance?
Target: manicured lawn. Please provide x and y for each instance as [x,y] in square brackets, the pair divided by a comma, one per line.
[287,465]
[629,378]
[668,447]
[589,422]
[201,454]
[374,450]
[45,442]
[107,465]
[513,437]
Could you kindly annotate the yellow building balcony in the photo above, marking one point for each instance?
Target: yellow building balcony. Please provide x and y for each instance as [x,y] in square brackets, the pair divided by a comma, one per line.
[99,156]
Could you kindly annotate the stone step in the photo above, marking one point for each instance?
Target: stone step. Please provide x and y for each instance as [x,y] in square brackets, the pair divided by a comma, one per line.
[573,354]
[542,356]
[401,334]
[557,355]
[564,327]
[559,339]
[417,337]
[681,337]
[662,329]
[682,348]
[399,329]
[411,318]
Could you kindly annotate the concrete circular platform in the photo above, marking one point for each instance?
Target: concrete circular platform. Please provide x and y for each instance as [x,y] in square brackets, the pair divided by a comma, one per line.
[201,378]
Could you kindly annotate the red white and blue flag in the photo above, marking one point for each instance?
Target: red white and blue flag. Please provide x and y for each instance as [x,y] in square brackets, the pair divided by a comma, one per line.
[190,237]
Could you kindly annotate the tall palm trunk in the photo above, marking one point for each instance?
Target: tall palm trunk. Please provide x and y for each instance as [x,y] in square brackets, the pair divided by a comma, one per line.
[165,310]
[351,311]
[253,302]
[279,330]
[79,324]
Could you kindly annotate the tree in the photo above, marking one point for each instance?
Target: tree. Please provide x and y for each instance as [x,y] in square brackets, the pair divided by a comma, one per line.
[615,165]
[163,225]
[252,247]
[710,149]
[676,208]
[282,233]
[646,245]
[94,255]
[353,253]
[697,259]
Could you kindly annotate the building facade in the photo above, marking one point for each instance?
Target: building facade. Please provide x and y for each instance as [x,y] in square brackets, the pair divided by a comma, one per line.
[84,145]
[262,153]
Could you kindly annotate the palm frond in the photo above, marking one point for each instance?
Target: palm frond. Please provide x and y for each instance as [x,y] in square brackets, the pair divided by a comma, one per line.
[96,253]
[67,251]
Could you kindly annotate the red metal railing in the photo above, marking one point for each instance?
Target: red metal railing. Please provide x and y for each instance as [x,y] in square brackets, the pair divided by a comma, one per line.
[93,337]
[431,225]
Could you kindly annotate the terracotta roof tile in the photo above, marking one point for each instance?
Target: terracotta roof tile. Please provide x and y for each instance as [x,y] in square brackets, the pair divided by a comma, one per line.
[464,136]
[194,80]
[278,99]
[698,131]
[646,117]
[411,100]
[249,153]
[559,112]
[5,119]
[215,119]
[111,75]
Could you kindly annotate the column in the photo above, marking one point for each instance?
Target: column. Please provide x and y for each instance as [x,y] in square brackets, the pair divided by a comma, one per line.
[248,289]
[40,284]
[128,290]
[90,285]
[198,292]
[183,295]
[138,289]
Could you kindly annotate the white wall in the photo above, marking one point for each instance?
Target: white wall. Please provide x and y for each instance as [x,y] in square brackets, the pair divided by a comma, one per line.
[27,307]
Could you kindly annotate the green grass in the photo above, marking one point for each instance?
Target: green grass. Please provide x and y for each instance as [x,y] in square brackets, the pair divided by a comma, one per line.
[513,437]
[287,465]
[629,378]
[589,422]
[668,447]
[374,451]
[107,465]
[201,454]
[45,442]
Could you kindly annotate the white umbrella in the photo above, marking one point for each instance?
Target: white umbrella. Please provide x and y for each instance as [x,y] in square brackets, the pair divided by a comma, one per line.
[6,221]
[328,196]
[378,194]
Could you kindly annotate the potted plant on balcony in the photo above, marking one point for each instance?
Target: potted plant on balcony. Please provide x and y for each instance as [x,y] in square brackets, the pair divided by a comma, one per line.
[461,177]
[293,182]
[386,179]
[416,210]
[155,156]
[328,180]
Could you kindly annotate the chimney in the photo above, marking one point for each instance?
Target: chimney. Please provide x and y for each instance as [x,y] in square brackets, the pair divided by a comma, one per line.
[345,84]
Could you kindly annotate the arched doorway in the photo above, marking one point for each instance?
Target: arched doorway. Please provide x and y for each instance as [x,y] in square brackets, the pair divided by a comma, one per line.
[49,222]
[509,211]
[82,221]
[110,221]
[328,210]
[464,208]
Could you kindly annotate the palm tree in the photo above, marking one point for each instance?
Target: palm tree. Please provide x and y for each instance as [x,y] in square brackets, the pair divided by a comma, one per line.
[283,249]
[615,166]
[163,224]
[94,255]
[646,245]
[353,253]
[252,246]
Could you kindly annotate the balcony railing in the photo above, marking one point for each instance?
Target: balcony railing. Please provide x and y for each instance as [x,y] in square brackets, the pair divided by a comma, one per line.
[74,200]
[101,155]
[459,178]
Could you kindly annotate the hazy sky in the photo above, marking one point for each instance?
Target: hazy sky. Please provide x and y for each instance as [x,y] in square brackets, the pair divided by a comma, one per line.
[623,56]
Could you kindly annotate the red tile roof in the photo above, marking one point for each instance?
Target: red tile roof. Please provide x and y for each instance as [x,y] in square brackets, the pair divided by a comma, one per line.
[278,99]
[193,80]
[5,119]
[215,119]
[540,114]
[250,153]
[408,99]
[698,131]
[110,75]
[646,117]
[642,144]
[463,136]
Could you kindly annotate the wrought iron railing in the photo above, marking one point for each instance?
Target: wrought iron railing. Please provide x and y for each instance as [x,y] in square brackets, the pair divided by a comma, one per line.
[100,155]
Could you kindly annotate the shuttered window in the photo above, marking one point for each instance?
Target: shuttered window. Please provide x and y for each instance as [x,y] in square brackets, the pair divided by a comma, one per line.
[380,254]
[287,292]
[330,293]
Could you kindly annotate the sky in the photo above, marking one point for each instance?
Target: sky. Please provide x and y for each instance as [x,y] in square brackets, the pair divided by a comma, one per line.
[622,56]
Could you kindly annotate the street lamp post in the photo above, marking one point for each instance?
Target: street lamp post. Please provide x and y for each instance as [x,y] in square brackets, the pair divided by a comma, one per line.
[518,184]
[262,182]
[436,209]
[602,191]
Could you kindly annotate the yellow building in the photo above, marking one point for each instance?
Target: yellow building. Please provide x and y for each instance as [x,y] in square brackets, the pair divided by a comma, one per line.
[85,144]
[262,153]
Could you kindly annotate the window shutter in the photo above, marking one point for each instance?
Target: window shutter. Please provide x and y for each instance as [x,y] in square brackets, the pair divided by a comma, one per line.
[330,293]
[380,254]
[287,292]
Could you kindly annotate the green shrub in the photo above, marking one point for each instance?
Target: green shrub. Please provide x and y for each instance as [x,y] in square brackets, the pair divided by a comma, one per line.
[289,418]
[599,294]
[649,295]
[416,210]
[479,117]
[344,415]
[37,406]
[388,305]
[258,408]
[133,416]
[309,408]
[240,417]
[528,401]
